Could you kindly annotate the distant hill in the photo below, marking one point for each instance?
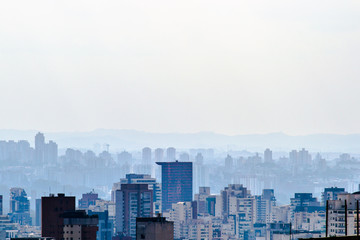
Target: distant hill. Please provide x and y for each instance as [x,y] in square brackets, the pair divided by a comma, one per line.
[132,140]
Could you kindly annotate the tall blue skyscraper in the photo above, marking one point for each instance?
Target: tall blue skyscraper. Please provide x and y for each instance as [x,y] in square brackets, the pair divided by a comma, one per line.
[176,183]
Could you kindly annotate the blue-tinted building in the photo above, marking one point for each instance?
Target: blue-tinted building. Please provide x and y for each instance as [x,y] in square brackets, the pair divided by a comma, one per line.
[105,226]
[38,212]
[177,182]
[19,207]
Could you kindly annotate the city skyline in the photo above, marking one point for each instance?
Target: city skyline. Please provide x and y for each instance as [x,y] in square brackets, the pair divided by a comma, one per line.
[179,120]
[205,194]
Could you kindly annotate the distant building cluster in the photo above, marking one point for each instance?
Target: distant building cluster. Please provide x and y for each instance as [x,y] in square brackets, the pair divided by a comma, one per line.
[15,153]
[175,194]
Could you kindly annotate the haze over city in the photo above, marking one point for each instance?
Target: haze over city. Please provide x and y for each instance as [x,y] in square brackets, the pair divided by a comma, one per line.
[179,120]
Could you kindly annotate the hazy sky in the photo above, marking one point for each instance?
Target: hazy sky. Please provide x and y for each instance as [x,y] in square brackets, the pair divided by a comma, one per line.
[232,66]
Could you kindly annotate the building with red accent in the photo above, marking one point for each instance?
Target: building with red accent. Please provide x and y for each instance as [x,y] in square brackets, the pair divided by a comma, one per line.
[177,183]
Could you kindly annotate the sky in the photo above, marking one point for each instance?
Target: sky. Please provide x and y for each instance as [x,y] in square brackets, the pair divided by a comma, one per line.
[232,67]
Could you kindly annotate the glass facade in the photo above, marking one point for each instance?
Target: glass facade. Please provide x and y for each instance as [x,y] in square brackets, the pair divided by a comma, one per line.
[176,183]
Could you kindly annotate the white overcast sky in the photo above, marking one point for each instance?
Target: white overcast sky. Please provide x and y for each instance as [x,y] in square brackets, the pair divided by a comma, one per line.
[231,66]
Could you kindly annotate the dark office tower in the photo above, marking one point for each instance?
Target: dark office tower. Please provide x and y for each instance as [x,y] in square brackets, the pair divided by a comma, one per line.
[177,183]
[19,207]
[268,156]
[159,155]
[170,154]
[37,212]
[79,225]
[132,201]
[154,228]
[1,205]
[39,148]
[51,152]
[52,223]
[146,156]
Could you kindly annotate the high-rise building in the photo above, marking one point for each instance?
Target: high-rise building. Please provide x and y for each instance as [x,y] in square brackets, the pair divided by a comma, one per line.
[52,208]
[124,157]
[176,183]
[154,228]
[343,215]
[8,229]
[199,159]
[39,148]
[229,163]
[106,226]
[133,178]
[214,205]
[331,194]
[184,157]
[301,200]
[87,200]
[19,206]
[146,164]
[1,205]
[268,156]
[159,155]
[200,198]
[51,152]
[25,152]
[300,158]
[37,212]
[132,201]
[79,225]
[232,190]
[201,172]
[146,156]
[304,157]
[170,154]
[45,152]
[309,218]
[264,205]
[181,213]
